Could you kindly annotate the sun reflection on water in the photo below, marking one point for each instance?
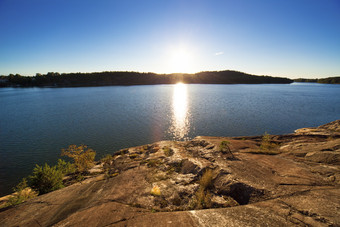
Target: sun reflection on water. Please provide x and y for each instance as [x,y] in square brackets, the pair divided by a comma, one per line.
[180,121]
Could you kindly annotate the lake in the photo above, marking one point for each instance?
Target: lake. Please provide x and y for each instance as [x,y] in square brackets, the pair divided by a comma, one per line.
[36,123]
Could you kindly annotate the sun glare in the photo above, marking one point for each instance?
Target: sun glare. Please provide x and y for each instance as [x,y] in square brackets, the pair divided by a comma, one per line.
[181,62]
[180,122]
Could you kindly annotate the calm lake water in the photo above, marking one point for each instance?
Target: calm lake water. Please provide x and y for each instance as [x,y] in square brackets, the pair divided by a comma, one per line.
[36,123]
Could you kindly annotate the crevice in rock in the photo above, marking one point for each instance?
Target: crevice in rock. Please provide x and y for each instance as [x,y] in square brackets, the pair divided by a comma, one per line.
[305,213]
[241,193]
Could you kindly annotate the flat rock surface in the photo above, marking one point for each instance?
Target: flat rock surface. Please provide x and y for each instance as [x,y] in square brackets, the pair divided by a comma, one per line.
[278,180]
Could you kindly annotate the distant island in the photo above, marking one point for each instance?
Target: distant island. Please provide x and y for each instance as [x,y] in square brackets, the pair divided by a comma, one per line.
[328,80]
[53,79]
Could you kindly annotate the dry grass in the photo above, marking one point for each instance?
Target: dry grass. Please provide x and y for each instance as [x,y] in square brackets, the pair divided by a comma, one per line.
[202,199]
[22,194]
[206,179]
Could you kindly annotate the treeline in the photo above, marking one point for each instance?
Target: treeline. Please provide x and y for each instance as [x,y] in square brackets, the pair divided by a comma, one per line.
[329,80]
[135,78]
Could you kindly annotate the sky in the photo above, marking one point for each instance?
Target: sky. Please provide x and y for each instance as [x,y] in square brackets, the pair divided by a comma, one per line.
[289,38]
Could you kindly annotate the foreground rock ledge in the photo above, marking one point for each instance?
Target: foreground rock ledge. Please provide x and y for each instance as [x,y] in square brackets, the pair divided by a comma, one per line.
[295,181]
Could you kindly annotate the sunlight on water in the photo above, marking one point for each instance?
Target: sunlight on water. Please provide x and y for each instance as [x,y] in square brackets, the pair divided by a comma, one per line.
[180,123]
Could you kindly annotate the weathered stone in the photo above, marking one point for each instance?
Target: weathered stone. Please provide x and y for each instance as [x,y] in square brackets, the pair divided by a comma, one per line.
[189,167]
[329,157]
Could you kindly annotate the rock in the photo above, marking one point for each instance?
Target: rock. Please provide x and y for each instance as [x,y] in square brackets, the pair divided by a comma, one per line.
[189,167]
[329,157]
[96,169]
[220,201]
[240,192]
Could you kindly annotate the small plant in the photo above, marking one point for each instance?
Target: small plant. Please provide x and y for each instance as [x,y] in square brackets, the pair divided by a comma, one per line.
[266,144]
[206,179]
[133,156]
[203,199]
[168,151]
[267,147]
[107,162]
[153,162]
[46,179]
[224,148]
[107,159]
[202,196]
[21,194]
[80,177]
[83,157]
[224,145]
[123,151]
[175,167]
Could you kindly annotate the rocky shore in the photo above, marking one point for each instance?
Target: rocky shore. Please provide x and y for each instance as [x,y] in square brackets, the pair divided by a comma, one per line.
[271,180]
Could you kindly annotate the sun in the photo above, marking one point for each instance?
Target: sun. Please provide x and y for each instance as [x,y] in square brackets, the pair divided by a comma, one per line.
[181,61]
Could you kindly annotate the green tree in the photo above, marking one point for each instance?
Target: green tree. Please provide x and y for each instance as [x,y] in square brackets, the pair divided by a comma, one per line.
[46,178]
[83,157]
[65,167]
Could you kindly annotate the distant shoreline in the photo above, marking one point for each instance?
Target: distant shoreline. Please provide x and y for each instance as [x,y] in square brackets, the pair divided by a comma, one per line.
[329,80]
[136,78]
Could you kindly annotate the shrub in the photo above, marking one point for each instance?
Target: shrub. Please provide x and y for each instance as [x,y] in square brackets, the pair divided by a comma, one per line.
[266,144]
[107,161]
[224,146]
[65,167]
[46,179]
[267,147]
[83,157]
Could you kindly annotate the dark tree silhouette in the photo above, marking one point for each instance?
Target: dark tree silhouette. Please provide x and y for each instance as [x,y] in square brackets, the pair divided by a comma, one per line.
[136,78]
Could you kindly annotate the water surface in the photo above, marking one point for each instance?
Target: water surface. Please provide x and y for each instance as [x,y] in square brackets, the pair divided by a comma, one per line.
[36,123]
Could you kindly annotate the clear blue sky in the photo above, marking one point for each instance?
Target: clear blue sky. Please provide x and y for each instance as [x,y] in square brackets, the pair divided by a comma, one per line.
[292,38]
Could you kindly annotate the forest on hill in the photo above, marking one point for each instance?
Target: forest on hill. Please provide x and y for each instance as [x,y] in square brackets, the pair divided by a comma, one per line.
[328,80]
[55,79]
